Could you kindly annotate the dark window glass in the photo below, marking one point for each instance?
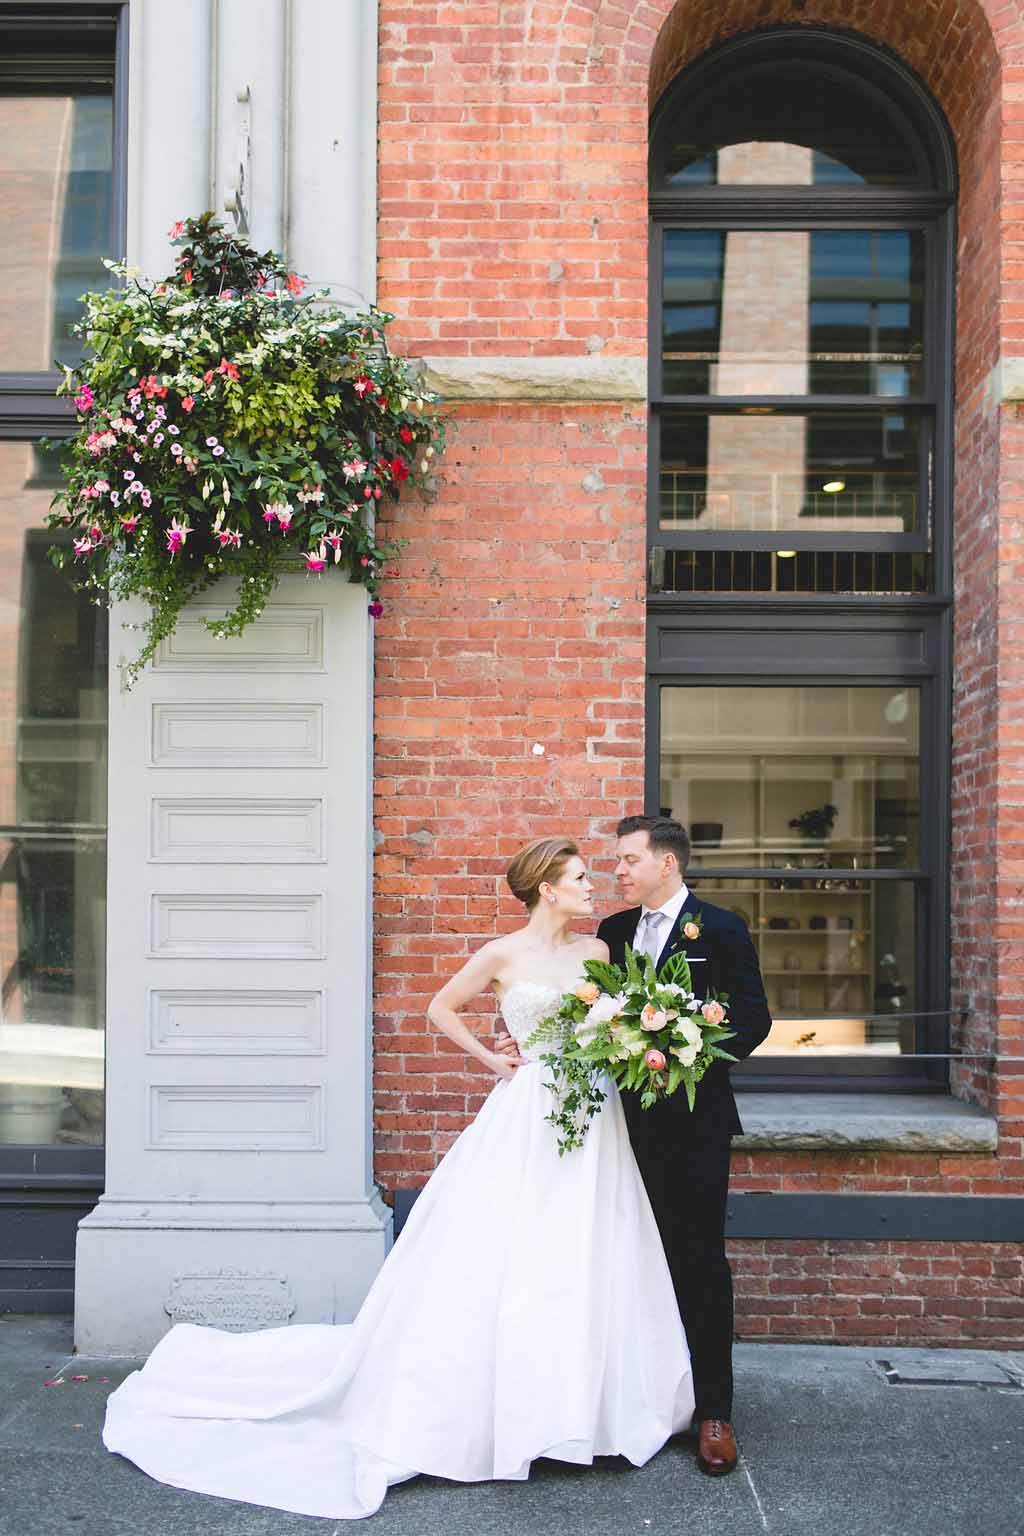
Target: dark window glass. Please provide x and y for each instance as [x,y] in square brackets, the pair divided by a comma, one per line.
[793,312]
[789,123]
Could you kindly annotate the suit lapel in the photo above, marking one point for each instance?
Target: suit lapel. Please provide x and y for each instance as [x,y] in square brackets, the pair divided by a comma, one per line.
[694,948]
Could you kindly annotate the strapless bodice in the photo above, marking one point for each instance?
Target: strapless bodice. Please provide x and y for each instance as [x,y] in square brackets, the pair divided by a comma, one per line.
[523,1005]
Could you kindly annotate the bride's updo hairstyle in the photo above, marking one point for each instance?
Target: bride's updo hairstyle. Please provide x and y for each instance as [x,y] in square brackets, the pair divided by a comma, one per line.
[543,859]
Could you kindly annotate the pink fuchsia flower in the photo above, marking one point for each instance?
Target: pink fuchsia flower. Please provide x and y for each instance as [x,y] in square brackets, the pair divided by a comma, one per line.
[83,547]
[294,283]
[713,1013]
[375,610]
[85,399]
[176,230]
[354,469]
[363,385]
[400,469]
[655,1060]
[130,523]
[316,559]
[229,537]
[284,519]
[177,533]
[188,403]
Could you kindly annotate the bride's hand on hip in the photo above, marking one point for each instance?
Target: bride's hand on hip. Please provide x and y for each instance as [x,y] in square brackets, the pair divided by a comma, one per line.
[506,1060]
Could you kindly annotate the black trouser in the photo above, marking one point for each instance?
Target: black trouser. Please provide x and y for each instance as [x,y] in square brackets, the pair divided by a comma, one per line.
[687,1180]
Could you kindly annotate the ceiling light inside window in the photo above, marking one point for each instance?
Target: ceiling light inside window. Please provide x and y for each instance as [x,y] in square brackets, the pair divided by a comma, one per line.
[834,486]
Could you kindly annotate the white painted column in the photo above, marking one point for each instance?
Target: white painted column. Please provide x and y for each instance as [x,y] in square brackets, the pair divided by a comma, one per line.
[239,1184]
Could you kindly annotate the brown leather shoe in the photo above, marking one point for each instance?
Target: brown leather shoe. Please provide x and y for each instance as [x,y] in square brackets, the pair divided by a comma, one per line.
[716,1448]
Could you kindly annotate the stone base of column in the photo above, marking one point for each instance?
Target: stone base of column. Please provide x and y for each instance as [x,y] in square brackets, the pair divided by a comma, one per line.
[142,1266]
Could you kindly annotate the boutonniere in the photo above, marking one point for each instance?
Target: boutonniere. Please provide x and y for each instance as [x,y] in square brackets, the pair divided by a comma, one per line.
[691,925]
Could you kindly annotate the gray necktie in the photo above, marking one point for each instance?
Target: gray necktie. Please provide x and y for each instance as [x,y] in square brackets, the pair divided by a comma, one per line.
[650,939]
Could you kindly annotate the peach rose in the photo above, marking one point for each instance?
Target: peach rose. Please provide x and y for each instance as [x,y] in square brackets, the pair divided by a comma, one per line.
[713,1013]
[588,992]
[655,1060]
[652,1018]
[691,931]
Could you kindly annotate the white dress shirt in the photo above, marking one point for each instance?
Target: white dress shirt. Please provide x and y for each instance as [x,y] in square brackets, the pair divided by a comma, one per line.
[670,910]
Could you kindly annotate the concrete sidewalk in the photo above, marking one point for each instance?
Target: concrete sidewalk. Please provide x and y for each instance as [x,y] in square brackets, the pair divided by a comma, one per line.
[830,1445]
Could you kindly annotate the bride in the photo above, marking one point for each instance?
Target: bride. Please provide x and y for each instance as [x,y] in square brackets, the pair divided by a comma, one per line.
[526,1310]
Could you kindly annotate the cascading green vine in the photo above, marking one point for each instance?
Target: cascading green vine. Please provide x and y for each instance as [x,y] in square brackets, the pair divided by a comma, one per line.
[229,424]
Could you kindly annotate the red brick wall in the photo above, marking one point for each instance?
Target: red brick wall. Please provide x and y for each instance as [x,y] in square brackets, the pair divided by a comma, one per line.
[513,222]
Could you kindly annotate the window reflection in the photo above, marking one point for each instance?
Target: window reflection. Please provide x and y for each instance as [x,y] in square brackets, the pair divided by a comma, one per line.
[788,123]
[793,312]
[56,185]
[53,669]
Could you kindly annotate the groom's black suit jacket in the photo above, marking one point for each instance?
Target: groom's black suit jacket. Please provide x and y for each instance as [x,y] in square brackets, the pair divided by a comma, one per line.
[730,965]
[683,1157]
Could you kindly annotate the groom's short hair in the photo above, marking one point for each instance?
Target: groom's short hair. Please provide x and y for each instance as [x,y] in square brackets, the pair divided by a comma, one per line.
[663,834]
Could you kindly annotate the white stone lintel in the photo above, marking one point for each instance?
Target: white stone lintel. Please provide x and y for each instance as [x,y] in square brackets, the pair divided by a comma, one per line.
[589,377]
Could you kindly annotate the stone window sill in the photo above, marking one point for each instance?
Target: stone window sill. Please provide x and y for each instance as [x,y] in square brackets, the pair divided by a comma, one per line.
[879,1122]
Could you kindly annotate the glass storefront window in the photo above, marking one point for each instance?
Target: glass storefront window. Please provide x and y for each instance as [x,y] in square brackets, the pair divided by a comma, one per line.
[56,185]
[815,790]
[767,472]
[53,785]
[793,312]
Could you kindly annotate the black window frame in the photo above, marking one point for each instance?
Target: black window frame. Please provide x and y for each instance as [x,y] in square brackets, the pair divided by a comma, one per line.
[46,1190]
[910,636]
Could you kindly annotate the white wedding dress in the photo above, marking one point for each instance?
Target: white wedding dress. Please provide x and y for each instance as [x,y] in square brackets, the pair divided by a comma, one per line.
[526,1310]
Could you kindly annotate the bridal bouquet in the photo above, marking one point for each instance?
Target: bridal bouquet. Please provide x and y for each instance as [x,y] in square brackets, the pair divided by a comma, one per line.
[651,1034]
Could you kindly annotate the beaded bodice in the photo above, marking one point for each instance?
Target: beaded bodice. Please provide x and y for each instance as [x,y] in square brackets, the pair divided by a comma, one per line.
[523,1006]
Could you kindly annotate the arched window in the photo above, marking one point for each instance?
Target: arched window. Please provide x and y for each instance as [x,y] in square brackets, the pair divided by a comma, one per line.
[802,196]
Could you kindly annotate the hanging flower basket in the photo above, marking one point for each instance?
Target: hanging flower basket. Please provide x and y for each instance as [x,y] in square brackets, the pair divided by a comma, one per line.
[230,425]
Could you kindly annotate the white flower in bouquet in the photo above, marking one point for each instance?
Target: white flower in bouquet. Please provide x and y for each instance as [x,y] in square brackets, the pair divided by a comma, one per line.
[604,1010]
[690,1031]
[686,1055]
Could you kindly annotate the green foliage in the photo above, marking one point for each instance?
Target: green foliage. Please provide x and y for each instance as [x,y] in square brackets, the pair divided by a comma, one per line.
[229,426]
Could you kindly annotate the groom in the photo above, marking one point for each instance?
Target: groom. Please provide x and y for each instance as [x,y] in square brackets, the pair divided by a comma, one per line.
[683,1156]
